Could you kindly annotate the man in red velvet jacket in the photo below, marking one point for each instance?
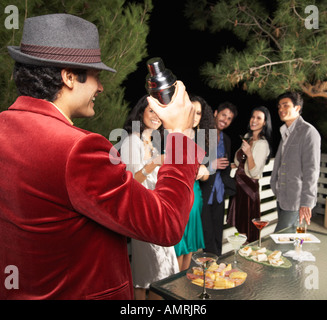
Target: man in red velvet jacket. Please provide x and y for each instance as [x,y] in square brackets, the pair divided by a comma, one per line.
[66,206]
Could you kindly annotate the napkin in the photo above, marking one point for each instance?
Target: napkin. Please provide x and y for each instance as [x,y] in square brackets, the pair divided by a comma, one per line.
[300,256]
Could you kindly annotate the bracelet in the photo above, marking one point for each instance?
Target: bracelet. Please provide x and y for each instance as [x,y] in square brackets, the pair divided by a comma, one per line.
[144,172]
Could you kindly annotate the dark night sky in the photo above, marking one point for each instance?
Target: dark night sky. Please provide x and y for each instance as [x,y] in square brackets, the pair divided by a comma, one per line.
[183,51]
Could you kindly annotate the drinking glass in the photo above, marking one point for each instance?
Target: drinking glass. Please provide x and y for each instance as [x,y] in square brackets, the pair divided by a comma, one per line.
[260,224]
[301,227]
[236,240]
[204,259]
[243,154]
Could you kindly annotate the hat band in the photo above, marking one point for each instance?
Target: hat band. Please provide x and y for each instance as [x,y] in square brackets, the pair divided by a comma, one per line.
[62,54]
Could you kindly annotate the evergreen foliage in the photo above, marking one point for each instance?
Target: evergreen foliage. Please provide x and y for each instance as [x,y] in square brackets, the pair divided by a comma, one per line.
[123,28]
[281,53]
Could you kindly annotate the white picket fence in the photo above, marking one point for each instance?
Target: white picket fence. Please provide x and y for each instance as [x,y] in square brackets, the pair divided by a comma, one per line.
[268,202]
[322,187]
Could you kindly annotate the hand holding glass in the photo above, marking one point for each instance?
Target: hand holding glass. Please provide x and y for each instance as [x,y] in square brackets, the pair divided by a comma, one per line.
[301,227]
[243,154]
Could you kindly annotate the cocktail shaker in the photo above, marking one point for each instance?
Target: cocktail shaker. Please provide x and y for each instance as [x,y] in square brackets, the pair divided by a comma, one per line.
[160,82]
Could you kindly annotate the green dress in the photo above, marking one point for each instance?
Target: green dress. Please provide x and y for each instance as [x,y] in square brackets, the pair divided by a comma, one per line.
[193,239]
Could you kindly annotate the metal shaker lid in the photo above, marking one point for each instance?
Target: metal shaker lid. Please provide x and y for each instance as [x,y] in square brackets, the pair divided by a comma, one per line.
[159,77]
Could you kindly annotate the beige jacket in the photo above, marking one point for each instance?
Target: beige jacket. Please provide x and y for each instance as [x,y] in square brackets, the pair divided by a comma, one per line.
[260,152]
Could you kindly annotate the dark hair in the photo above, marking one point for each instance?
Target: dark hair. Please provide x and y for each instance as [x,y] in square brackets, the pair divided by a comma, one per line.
[228,105]
[266,130]
[136,114]
[295,97]
[207,120]
[42,82]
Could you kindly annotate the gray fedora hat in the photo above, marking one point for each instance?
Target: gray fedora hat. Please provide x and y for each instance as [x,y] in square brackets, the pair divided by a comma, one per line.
[59,40]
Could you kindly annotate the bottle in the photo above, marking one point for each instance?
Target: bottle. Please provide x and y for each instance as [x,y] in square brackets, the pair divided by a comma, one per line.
[160,82]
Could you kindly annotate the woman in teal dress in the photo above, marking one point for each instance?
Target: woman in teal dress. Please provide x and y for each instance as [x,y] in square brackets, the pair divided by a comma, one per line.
[193,239]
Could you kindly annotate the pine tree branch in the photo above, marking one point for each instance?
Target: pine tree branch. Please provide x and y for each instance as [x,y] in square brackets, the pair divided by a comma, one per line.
[252,69]
[294,9]
[319,89]
[260,27]
[236,23]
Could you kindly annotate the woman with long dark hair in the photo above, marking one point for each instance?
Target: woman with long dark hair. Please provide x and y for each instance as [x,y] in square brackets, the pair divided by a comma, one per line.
[140,152]
[250,160]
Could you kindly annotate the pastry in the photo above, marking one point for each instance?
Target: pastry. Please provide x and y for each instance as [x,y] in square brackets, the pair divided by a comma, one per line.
[213,266]
[197,271]
[210,275]
[276,262]
[275,255]
[222,272]
[238,275]
[260,257]
[246,251]
[223,283]
[198,281]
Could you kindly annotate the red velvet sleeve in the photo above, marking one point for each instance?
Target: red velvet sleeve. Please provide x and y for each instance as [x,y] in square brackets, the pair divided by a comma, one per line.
[100,188]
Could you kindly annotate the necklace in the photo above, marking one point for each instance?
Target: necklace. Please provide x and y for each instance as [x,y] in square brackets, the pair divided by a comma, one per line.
[70,121]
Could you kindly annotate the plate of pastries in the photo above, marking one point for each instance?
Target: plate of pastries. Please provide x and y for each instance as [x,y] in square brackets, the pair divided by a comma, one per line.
[265,256]
[218,276]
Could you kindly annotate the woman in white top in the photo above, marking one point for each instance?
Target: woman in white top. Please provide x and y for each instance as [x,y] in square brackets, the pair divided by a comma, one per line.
[140,151]
[250,160]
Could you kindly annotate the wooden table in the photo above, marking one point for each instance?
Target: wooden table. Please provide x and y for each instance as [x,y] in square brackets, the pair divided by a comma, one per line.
[302,281]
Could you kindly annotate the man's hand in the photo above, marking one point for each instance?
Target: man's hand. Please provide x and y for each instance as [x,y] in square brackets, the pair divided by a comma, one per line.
[177,116]
[305,212]
[219,164]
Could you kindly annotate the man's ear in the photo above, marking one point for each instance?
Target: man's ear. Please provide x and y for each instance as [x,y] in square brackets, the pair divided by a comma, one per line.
[68,78]
[298,108]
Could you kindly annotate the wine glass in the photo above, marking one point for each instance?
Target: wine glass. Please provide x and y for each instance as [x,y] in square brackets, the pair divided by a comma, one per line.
[260,224]
[236,240]
[204,259]
[243,154]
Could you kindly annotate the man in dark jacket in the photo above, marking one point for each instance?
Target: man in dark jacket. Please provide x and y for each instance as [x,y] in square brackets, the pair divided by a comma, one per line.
[219,183]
